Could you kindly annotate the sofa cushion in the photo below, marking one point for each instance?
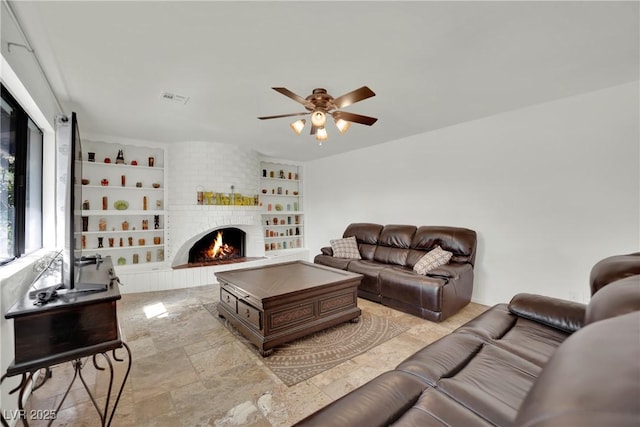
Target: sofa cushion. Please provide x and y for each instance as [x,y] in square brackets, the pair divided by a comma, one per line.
[377,403]
[404,285]
[345,248]
[437,409]
[528,339]
[370,270]
[367,236]
[489,380]
[531,340]
[613,268]
[394,243]
[432,259]
[364,232]
[611,301]
[493,384]
[593,379]
[459,241]
[441,358]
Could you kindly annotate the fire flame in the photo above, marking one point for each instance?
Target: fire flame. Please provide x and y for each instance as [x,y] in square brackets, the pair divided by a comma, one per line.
[219,249]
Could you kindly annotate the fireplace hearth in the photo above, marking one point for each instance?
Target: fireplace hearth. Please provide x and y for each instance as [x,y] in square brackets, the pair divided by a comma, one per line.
[220,246]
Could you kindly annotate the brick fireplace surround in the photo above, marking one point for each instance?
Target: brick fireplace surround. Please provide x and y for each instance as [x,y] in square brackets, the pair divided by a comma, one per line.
[216,167]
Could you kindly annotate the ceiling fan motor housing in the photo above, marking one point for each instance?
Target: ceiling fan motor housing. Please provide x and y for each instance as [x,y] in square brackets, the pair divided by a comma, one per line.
[321,100]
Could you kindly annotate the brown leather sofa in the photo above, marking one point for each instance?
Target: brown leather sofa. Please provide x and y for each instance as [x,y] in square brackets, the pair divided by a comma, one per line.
[538,361]
[388,255]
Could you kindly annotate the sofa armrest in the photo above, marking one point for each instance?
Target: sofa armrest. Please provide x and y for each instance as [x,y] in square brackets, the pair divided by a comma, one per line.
[565,315]
[327,250]
[452,270]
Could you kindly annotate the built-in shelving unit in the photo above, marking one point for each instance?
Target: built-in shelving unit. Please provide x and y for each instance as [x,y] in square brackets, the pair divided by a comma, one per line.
[282,210]
[123,203]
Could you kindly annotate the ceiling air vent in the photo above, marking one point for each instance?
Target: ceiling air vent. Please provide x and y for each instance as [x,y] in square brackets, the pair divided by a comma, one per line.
[179,99]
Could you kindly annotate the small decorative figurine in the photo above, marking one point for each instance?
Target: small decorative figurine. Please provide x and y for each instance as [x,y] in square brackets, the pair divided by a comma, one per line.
[120,158]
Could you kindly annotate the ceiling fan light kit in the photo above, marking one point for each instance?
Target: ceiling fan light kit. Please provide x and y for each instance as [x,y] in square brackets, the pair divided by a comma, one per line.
[321,134]
[320,104]
[318,118]
[298,126]
[342,125]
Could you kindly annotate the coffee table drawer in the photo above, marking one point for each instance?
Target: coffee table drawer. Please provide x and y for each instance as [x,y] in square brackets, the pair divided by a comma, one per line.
[250,314]
[229,300]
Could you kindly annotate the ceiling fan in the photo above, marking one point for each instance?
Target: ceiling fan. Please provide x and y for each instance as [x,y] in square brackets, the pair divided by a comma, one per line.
[320,104]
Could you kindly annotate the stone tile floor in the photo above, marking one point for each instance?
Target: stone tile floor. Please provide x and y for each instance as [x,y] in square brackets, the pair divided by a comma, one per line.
[189,370]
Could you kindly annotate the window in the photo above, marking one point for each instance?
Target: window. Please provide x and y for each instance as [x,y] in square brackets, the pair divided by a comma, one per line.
[20,181]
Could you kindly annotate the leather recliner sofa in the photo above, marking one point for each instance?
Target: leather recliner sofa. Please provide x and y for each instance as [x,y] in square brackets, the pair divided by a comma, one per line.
[389,254]
[538,361]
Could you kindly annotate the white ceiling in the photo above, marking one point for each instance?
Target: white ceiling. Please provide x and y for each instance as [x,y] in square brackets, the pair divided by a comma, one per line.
[431,64]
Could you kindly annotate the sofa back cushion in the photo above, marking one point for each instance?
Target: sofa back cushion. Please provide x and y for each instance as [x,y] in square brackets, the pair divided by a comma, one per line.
[459,241]
[593,379]
[615,299]
[367,235]
[613,268]
[394,243]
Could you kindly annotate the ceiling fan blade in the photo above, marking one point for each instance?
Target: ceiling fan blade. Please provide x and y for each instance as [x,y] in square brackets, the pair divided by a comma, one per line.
[295,97]
[283,115]
[352,97]
[354,118]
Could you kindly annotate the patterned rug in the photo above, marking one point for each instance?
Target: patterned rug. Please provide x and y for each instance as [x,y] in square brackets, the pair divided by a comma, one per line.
[306,357]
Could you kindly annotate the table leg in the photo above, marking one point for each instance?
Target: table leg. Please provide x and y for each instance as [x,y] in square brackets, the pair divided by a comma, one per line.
[265,353]
[106,414]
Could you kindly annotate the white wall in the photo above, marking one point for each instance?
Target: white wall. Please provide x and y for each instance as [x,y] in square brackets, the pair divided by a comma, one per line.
[550,189]
[211,166]
[23,64]
[20,75]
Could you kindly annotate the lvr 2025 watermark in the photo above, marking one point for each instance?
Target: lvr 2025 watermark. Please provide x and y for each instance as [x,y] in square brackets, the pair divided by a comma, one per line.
[32,414]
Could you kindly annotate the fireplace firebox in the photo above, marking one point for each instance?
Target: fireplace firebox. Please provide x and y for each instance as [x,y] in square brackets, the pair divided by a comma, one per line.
[219,246]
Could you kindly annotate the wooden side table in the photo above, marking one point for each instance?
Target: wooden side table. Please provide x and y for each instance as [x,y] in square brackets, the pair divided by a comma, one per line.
[72,327]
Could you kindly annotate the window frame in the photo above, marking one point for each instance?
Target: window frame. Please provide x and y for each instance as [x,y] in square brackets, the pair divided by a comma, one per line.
[20,176]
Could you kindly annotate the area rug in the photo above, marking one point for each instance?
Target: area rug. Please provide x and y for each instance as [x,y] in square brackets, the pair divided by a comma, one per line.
[306,357]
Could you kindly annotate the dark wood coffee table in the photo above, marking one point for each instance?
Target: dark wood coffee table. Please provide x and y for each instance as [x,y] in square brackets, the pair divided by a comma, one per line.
[278,303]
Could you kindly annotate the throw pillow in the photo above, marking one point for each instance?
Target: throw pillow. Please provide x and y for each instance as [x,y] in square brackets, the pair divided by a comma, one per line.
[345,248]
[432,259]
